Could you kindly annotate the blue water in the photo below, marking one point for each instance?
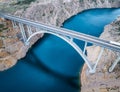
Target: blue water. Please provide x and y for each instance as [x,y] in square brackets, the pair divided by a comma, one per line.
[51,65]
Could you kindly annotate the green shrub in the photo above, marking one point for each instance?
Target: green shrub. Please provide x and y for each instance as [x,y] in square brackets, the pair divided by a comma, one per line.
[1,25]
[25,1]
[81,0]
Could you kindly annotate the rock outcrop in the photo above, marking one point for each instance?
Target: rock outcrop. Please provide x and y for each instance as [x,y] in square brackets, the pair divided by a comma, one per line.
[103,80]
[12,47]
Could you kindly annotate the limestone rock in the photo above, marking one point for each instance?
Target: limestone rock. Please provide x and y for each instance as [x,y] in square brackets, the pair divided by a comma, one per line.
[102,80]
[12,47]
[7,62]
[1,43]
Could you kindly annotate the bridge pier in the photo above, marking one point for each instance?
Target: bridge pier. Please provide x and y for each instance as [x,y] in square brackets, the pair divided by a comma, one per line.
[14,24]
[29,30]
[114,64]
[23,33]
[85,47]
[98,59]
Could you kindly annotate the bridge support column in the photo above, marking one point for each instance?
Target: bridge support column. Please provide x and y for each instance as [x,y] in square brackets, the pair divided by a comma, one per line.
[23,33]
[114,64]
[85,47]
[98,59]
[29,30]
[14,24]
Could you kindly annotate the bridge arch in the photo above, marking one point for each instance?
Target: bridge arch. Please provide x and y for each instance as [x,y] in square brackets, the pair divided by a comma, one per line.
[70,41]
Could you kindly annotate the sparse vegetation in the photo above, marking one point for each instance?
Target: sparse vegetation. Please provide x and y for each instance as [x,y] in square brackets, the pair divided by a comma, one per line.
[81,0]
[118,24]
[2,27]
[111,0]
[24,1]
[15,5]
[102,1]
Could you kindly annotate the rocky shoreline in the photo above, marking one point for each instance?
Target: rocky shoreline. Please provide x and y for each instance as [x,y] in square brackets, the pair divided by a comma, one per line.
[102,80]
[53,12]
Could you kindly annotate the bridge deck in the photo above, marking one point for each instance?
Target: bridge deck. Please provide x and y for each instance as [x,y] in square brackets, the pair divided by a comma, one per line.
[68,36]
[62,31]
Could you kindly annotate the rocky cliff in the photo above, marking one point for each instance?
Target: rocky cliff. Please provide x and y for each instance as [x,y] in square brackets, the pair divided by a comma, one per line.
[102,80]
[12,47]
[53,12]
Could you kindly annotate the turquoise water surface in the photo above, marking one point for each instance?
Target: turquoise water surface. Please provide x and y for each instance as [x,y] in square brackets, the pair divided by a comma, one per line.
[51,65]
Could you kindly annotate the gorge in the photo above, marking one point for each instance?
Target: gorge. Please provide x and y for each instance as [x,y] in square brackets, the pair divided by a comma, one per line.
[58,69]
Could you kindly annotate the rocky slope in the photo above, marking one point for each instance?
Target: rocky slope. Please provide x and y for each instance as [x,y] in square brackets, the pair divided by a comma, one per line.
[11,45]
[6,59]
[102,80]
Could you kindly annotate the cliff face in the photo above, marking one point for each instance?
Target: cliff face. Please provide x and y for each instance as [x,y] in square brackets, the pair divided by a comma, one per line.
[102,80]
[11,45]
[53,12]
[8,45]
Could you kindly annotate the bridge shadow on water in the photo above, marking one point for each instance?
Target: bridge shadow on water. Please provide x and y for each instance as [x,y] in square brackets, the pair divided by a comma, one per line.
[34,61]
[40,66]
